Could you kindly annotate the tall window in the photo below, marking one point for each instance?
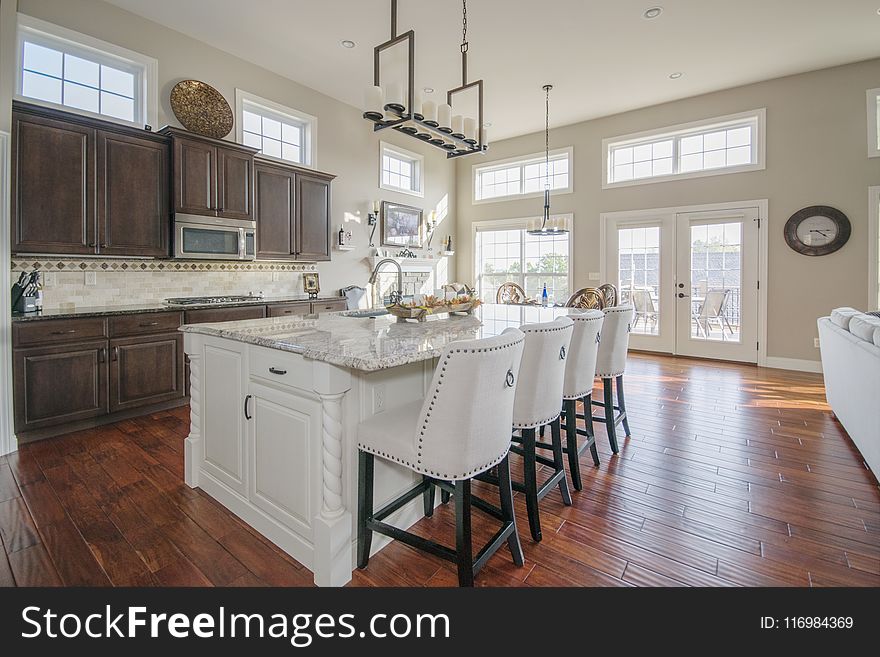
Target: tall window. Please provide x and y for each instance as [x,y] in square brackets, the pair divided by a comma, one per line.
[61,68]
[279,132]
[509,254]
[638,253]
[523,177]
[873,122]
[401,170]
[722,145]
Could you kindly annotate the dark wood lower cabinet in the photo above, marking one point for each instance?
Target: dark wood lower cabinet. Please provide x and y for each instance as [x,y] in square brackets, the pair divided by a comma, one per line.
[60,384]
[145,370]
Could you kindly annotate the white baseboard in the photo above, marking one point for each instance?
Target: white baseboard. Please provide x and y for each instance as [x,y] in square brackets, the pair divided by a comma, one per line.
[796,364]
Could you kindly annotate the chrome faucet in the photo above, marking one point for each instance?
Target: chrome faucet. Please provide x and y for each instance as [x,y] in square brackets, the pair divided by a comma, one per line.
[396,296]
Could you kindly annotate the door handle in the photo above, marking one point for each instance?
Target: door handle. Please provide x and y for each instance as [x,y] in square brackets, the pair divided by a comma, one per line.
[115,353]
[102,355]
[246,400]
[682,295]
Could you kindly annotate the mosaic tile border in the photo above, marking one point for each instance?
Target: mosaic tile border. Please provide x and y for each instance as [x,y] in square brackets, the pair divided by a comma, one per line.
[37,263]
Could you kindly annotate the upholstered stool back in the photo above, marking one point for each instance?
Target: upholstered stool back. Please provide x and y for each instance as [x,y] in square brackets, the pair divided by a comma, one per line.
[464,424]
[539,390]
[614,342]
[580,366]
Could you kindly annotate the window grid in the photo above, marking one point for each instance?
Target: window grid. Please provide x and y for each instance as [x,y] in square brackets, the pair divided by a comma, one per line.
[275,135]
[399,172]
[57,76]
[527,176]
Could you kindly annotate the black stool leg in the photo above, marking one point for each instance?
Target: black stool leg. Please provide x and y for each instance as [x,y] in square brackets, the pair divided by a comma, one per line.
[556,437]
[365,507]
[622,404]
[506,492]
[428,497]
[530,474]
[543,426]
[609,414]
[571,442]
[444,496]
[463,540]
[591,434]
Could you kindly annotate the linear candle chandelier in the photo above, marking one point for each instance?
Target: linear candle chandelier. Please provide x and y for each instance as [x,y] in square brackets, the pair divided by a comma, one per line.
[388,107]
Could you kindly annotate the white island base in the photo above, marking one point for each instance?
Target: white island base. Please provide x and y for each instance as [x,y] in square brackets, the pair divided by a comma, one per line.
[272,439]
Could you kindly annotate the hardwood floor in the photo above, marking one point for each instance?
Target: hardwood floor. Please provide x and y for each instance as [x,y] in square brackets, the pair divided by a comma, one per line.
[733,476]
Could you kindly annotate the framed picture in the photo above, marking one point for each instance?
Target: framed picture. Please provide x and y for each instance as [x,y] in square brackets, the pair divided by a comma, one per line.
[402,225]
[311,283]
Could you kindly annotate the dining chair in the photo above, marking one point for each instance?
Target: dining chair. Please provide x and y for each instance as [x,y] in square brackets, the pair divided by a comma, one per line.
[448,439]
[588,297]
[510,293]
[714,309]
[644,308]
[610,295]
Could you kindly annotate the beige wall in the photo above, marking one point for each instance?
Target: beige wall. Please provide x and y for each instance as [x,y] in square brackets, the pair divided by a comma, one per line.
[346,145]
[816,154]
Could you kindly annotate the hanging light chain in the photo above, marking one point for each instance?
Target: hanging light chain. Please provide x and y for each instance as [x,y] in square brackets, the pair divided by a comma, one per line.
[547,136]
[464,41]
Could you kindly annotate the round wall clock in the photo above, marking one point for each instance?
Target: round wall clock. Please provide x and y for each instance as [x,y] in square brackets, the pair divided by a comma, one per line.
[817,230]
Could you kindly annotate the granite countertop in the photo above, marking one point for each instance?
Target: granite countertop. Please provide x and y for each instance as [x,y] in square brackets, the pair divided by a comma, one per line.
[372,344]
[155,307]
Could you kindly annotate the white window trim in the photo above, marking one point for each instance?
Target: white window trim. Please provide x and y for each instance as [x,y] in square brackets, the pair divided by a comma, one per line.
[873,129]
[7,431]
[873,255]
[520,223]
[522,160]
[43,31]
[409,155]
[310,133]
[759,147]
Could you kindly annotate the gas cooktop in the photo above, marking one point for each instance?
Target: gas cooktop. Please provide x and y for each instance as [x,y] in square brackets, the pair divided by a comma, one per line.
[211,301]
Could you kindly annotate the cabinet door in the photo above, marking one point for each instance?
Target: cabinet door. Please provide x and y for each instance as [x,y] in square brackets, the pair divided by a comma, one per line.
[313,218]
[274,210]
[145,370]
[133,209]
[54,385]
[53,186]
[234,184]
[195,177]
[284,433]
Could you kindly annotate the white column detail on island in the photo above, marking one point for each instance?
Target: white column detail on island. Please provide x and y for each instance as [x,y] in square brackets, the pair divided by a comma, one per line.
[332,526]
[193,442]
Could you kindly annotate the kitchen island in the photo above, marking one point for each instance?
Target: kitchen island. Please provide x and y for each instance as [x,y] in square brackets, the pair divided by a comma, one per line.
[275,405]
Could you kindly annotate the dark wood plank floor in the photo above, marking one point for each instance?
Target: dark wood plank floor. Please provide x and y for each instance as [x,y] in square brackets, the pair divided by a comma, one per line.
[733,476]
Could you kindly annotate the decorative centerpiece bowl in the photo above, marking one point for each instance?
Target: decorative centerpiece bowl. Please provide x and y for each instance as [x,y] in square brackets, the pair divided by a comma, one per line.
[432,305]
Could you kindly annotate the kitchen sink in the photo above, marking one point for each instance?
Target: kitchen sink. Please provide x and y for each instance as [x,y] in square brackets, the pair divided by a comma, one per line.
[373,313]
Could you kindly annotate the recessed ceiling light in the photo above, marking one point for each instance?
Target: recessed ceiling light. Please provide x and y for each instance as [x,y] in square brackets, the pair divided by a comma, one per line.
[348,44]
[652,13]
[428,90]
[675,76]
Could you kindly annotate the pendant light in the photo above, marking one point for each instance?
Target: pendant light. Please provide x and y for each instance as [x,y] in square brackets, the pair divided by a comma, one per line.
[546,225]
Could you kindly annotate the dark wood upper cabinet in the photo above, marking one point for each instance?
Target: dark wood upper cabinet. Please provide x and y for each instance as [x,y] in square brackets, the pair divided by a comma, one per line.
[53,183]
[312,235]
[275,211]
[133,209]
[211,177]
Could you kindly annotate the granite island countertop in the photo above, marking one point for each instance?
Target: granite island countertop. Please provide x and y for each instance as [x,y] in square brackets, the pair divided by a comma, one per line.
[372,344]
[156,307]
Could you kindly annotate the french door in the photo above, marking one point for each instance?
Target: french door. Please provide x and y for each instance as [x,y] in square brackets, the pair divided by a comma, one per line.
[692,278]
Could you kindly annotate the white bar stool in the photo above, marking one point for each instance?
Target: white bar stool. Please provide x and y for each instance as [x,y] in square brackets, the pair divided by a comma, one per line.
[610,365]
[537,404]
[449,438]
[580,369]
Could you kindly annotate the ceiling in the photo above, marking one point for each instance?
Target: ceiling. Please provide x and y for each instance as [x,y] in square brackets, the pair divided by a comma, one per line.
[602,56]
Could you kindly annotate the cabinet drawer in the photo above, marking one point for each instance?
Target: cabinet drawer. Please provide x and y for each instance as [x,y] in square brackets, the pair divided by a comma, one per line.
[328,306]
[207,315]
[52,331]
[284,309]
[144,323]
[279,367]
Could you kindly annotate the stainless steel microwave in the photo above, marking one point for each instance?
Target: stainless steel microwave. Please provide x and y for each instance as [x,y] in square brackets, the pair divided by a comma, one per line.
[214,238]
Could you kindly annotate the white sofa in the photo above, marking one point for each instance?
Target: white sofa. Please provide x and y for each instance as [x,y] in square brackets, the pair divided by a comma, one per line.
[850,344]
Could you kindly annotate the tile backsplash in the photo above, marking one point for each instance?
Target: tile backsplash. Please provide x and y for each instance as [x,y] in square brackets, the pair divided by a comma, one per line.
[122,282]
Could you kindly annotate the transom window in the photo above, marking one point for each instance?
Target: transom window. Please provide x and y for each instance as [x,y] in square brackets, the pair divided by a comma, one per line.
[401,170]
[508,254]
[279,132]
[722,145]
[61,68]
[523,176]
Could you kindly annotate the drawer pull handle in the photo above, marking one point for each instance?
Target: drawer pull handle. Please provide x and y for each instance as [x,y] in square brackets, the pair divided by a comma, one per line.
[71,331]
[246,400]
[278,372]
[148,324]
[102,355]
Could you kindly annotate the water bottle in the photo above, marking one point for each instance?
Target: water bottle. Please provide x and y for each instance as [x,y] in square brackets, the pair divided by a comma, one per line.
[544,301]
